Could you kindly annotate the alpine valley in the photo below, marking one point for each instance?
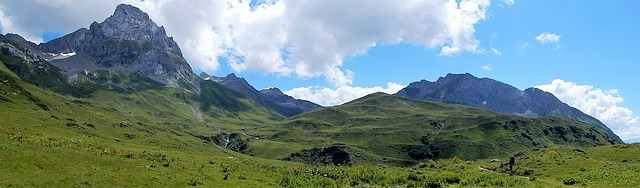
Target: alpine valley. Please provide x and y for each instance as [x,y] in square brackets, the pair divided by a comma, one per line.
[117,105]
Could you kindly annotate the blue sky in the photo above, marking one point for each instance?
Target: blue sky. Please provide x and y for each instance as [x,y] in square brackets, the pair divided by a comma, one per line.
[599,45]
[341,50]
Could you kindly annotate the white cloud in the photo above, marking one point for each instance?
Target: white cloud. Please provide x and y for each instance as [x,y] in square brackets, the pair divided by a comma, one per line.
[494,36]
[525,45]
[509,2]
[486,67]
[495,51]
[288,37]
[546,38]
[340,95]
[601,104]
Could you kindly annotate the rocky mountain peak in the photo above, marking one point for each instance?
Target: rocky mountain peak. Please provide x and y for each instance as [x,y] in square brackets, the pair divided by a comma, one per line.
[273,92]
[128,23]
[232,76]
[127,41]
[458,79]
[273,89]
[204,75]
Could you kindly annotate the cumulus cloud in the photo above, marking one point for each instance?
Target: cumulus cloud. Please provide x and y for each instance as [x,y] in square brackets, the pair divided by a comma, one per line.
[486,67]
[601,104]
[495,51]
[30,18]
[547,38]
[340,95]
[287,37]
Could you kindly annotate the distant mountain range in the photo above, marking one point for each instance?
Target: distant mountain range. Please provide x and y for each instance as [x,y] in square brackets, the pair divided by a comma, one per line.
[467,89]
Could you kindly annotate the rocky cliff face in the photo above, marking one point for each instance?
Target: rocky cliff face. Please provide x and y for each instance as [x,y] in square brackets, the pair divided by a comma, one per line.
[467,89]
[272,97]
[128,41]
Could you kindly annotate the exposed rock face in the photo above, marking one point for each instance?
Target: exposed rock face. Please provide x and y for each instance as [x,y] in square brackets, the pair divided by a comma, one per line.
[127,41]
[22,43]
[272,97]
[467,89]
[26,56]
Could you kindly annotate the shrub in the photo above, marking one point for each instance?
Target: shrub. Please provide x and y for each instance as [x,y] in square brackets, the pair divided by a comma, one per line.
[195,182]
[571,181]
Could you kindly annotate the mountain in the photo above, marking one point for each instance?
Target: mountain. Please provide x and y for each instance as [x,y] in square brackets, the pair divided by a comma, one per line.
[126,56]
[467,89]
[128,51]
[290,105]
[128,41]
[272,97]
[381,128]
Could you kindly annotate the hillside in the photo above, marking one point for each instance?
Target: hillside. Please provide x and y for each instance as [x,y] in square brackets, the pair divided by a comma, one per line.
[467,89]
[144,113]
[380,128]
[153,137]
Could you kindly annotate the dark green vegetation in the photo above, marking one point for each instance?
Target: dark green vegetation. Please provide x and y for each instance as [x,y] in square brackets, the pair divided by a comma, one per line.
[155,136]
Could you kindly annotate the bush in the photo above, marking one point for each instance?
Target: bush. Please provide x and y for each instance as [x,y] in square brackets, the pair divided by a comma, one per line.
[571,181]
[195,182]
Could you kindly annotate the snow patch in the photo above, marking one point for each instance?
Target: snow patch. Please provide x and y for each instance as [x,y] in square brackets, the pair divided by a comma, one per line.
[54,56]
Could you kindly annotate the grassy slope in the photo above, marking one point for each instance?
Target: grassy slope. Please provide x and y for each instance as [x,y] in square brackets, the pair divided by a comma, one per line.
[381,129]
[108,134]
[56,141]
[604,166]
[51,140]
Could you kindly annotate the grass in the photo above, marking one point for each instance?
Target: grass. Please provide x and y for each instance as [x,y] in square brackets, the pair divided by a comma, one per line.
[604,166]
[38,162]
[151,136]
[382,127]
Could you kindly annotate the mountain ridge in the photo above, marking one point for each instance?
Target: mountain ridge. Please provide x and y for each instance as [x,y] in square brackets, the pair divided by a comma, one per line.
[271,97]
[491,94]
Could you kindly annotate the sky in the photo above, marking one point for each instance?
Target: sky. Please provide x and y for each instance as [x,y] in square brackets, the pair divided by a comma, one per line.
[586,52]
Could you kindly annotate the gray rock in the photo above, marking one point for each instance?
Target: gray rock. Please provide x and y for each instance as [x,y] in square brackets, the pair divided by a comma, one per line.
[128,41]
[26,55]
